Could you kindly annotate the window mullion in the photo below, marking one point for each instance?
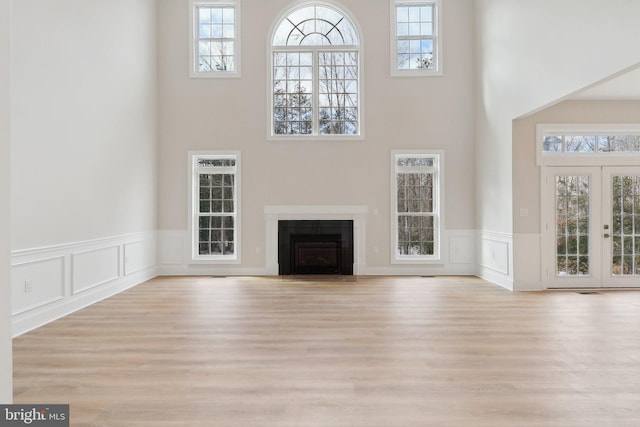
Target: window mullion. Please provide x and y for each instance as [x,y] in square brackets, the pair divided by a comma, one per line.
[315,61]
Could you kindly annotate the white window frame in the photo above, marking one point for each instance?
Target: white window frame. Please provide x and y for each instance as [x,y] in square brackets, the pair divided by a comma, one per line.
[194,56]
[194,200]
[438,209]
[315,50]
[437,40]
[627,158]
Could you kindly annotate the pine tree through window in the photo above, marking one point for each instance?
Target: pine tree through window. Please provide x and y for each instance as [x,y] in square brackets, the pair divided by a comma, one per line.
[315,74]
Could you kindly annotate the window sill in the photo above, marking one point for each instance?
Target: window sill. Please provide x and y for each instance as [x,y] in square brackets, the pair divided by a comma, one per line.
[217,260]
[216,75]
[314,138]
[417,261]
[416,73]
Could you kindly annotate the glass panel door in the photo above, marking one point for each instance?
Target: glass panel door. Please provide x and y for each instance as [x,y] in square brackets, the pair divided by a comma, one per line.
[622,226]
[591,227]
[572,223]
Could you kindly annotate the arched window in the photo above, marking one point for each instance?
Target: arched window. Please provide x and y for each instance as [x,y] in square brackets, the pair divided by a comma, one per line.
[315,73]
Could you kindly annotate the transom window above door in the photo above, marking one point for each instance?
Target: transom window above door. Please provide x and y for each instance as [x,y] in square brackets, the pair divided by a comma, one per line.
[315,75]
[582,144]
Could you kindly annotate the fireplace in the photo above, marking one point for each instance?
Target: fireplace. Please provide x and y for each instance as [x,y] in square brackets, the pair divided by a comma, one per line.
[315,247]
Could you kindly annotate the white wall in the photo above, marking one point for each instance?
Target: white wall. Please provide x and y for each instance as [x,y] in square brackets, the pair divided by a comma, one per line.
[6,379]
[83,138]
[84,120]
[231,114]
[530,54]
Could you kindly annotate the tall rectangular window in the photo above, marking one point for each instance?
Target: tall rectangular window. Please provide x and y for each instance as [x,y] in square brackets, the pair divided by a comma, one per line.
[215,32]
[215,206]
[415,44]
[416,205]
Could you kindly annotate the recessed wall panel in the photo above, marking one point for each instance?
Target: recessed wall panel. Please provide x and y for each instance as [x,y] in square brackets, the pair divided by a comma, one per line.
[94,268]
[36,283]
[139,255]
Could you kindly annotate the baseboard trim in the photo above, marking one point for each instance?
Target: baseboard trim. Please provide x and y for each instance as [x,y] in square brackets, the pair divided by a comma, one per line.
[495,277]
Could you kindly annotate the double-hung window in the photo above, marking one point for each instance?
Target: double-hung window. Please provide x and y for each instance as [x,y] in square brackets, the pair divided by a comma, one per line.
[215,206]
[416,184]
[215,43]
[416,45]
[315,74]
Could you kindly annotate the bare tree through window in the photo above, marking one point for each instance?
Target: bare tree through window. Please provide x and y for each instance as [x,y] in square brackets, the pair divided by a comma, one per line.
[596,143]
[417,207]
[216,38]
[315,81]
[415,41]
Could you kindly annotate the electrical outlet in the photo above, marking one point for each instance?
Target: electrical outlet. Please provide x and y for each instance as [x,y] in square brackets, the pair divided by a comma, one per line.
[28,286]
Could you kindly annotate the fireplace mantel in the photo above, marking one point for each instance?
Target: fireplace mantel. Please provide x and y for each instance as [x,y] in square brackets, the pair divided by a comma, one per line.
[356,213]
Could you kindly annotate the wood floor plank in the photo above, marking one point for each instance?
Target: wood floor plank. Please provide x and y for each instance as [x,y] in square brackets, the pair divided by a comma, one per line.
[376,351]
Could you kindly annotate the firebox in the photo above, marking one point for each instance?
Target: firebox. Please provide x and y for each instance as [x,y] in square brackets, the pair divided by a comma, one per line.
[315,247]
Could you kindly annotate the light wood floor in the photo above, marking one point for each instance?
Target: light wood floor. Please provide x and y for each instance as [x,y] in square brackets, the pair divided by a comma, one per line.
[317,353]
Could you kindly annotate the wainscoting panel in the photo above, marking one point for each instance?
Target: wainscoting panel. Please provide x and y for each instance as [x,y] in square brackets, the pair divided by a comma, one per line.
[459,252]
[458,259]
[495,254]
[49,283]
[37,283]
[94,268]
[139,256]
[174,259]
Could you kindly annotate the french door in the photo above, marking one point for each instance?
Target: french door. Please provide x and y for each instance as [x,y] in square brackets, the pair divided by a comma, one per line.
[591,227]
